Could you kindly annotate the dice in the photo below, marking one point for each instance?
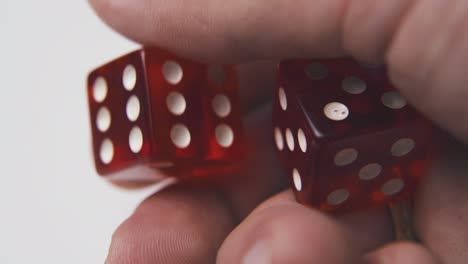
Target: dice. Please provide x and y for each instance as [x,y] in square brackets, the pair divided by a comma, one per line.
[346,136]
[153,110]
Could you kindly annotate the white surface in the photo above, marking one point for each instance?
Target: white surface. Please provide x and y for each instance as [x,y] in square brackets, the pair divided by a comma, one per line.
[54,208]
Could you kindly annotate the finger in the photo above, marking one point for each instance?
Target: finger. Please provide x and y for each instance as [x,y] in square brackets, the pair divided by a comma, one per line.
[401,253]
[183,224]
[441,208]
[282,231]
[261,29]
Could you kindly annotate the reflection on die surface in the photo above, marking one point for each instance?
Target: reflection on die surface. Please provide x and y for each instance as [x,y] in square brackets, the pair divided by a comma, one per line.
[347,137]
[151,109]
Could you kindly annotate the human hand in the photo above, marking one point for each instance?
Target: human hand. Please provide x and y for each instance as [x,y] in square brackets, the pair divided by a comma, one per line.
[424,45]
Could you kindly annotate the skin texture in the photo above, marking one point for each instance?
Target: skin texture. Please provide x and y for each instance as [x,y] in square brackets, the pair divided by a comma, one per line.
[251,218]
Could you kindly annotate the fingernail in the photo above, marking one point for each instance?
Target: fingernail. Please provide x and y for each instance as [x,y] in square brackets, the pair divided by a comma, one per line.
[258,254]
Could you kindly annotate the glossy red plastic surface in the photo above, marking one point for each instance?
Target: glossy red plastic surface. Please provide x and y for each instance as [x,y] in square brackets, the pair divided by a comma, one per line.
[360,143]
[162,116]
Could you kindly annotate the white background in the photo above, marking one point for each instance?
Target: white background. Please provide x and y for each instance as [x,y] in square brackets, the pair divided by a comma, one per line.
[53,206]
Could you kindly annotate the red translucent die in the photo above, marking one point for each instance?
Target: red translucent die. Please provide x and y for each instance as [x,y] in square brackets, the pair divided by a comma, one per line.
[347,138]
[151,109]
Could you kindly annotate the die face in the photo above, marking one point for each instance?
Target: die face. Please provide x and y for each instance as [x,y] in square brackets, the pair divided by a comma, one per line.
[118,113]
[295,144]
[369,174]
[222,128]
[343,98]
[391,185]
[175,88]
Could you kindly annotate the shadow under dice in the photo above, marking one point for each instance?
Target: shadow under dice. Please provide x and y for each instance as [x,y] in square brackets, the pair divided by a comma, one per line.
[347,138]
[150,109]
